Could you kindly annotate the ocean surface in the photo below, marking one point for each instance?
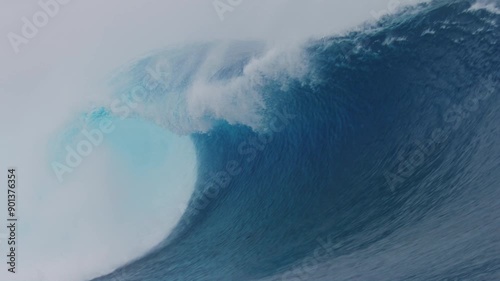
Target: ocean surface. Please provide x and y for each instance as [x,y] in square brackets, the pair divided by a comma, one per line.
[372,155]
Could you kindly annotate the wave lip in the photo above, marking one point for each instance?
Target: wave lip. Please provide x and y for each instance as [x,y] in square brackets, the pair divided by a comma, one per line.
[212,83]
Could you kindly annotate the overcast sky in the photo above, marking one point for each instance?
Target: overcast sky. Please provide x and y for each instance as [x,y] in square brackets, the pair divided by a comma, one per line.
[116,29]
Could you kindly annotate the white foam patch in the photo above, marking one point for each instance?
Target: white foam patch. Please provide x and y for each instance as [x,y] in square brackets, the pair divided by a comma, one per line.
[390,40]
[238,100]
[490,7]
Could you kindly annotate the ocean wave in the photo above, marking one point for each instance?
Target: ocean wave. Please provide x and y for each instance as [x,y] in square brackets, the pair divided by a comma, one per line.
[386,168]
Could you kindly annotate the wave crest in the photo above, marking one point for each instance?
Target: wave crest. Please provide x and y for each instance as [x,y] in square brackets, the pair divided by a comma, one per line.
[193,89]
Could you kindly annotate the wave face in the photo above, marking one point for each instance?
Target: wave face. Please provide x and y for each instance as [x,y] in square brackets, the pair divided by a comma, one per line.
[369,156]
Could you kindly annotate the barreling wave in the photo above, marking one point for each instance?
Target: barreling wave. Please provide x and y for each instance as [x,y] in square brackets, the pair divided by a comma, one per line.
[368,156]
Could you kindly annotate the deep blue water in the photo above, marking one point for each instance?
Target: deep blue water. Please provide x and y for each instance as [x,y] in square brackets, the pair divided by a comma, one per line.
[380,162]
